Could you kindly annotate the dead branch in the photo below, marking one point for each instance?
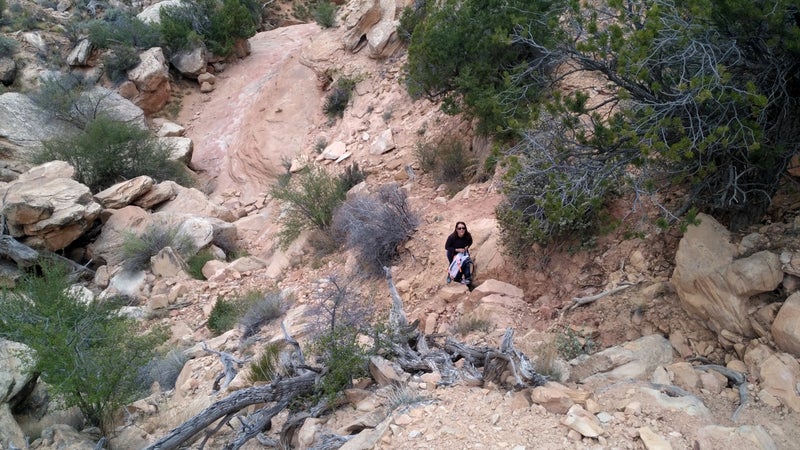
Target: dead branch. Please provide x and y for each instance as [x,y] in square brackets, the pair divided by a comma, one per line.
[228,362]
[586,300]
[23,255]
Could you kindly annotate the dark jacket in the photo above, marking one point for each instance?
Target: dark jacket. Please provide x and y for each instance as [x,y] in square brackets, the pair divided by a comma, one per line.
[454,242]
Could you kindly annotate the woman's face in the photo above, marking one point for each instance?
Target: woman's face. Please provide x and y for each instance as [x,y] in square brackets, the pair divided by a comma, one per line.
[461,229]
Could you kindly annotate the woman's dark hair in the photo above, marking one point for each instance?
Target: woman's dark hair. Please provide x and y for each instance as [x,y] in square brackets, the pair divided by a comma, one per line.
[466,231]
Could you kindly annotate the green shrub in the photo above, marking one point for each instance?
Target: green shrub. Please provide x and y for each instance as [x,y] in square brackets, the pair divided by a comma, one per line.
[196,263]
[351,176]
[223,317]
[570,344]
[267,366]
[2,10]
[8,46]
[138,249]
[336,102]
[120,28]
[325,14]
[217,24]
[252,310]
[86,352]
[310,199]
[409,19]
[344,358]
[118,61]
[108,151]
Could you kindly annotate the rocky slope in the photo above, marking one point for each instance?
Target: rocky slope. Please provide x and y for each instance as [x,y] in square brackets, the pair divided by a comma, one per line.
[266,109]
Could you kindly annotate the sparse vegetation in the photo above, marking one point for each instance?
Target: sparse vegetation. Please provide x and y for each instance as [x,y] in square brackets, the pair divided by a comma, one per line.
[447,161]
[8,46]
[118,61]
[197,261]
[216,24]
[570,344]
[339,97]
[252,310]
[325,14]
[85,351]
[108,151]
[139,248]
[163,369]
[119,28]
[469,324]
[267,366]
[309,199]
[402,396]
[375,225]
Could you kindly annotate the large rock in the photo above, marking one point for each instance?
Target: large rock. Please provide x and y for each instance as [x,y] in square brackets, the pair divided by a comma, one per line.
[108,246]
[190,63]
[24,124]
[786,327]
[632,360]
[716,287]
[192,200]
[124,193]
[8,71]
[79,56]
[48,212]
[151,77]
[152,14]
[14,372]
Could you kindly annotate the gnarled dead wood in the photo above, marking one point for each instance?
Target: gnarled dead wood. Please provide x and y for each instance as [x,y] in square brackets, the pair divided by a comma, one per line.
[586,300]
[20,253]
[279,392]
[229,370]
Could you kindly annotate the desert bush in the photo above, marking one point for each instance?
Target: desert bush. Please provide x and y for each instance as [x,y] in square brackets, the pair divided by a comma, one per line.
[139,248]
[325,14]
[336,102]
[164,369]
[118,61]
[343,314]
[252,309]
[262,310]
[546,357]
[447,161]
[108,151]
[468,324]
[409,19]
[309,199]
[197,261]
[375,225]
[570,343]
[120,28]
[8,46]
[351,176]
[216,24]
[65,97]
[402,396]
[85,351]
[267,366]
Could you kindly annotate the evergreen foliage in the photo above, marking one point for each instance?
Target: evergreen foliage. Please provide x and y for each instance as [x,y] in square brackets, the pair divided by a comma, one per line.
[216,24]
[108,151]
[462,53]
[86,351]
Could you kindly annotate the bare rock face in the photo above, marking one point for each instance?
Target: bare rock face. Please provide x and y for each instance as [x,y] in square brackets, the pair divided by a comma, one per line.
[23,123]
[14,377]
[632,360]
[48,210]
[190,199]
[151,77]
[716,286]
[108,245]
[785,329]
[8,71]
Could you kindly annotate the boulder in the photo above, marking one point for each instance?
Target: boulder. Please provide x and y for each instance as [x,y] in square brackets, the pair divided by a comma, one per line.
[79,56]
[181,148]
[191,63]
[24,124]
[632,360]
[383,143]
[124,193]
[152,14]
[190,199]
[151,77]
[157,194]
[786,326]
[45,210]
[716,286]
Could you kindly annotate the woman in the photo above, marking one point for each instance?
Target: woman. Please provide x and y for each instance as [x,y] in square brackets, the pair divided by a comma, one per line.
[458,242]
